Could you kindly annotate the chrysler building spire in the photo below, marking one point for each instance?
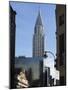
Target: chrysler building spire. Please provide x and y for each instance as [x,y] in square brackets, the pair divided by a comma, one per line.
[38,38]
[39,21]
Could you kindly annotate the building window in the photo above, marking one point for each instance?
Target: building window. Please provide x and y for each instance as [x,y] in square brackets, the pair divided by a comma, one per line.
[61,43]
[61,49]
[61,19]
[62,81]
[61,59]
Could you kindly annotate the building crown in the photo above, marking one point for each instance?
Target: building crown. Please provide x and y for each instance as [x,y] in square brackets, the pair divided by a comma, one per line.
[39,20]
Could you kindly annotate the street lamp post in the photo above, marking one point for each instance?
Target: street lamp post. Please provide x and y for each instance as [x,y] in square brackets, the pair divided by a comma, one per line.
[45,56]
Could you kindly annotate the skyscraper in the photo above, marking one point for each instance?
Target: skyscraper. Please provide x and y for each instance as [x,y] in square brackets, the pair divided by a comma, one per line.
[12,30]
[38,38]
[61,42]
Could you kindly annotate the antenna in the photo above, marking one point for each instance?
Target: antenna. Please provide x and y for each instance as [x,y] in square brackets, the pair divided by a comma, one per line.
[39,9]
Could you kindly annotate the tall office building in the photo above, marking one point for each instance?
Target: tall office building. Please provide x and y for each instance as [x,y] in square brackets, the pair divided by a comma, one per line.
[12,30]
[61,42]
[38,38]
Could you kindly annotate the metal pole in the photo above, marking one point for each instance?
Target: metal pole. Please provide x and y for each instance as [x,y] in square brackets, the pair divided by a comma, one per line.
[53,56]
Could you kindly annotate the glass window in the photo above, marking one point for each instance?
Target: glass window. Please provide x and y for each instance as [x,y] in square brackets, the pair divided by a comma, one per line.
[61,19]
[61,43]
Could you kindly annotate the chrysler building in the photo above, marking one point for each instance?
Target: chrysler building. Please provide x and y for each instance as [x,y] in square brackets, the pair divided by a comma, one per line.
[38,38]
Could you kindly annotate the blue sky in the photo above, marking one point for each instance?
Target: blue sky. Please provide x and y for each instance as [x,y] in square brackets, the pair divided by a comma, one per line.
[25,22]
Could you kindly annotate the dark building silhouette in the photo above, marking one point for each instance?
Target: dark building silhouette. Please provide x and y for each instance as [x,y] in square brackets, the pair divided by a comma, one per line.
[61,42]
[46,77]
[41,73]
[12,30]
